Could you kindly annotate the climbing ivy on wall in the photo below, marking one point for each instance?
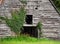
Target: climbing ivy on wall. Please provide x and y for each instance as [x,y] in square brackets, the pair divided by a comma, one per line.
[39,27]
[17,20]
[23,1]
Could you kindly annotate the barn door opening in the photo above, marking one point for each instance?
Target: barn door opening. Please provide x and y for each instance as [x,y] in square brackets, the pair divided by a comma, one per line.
[30,31]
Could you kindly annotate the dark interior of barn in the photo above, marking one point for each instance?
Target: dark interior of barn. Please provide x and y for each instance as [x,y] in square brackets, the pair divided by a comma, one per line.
[30,31]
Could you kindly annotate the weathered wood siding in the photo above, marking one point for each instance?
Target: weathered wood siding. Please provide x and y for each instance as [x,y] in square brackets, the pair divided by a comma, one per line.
[45,13]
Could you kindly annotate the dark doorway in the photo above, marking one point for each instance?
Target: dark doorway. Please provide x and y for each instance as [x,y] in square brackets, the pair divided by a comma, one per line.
[28,19]
[31,31]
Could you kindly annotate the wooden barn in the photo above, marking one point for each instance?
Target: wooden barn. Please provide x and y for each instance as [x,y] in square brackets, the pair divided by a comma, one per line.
[37,11]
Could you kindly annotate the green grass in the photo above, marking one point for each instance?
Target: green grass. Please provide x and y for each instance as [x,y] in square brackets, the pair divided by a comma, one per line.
[30,42]
[27,40]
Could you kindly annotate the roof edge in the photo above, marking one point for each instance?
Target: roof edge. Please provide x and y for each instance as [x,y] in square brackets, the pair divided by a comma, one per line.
[54,7]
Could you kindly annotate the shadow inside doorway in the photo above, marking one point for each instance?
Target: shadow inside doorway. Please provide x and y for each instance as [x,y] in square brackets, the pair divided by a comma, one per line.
[31,31]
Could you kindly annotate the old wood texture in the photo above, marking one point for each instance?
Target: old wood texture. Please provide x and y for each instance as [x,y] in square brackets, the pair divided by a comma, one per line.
[42,10]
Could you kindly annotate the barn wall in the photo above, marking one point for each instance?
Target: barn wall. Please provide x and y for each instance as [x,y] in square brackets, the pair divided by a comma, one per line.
[50,19]
[42,10]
